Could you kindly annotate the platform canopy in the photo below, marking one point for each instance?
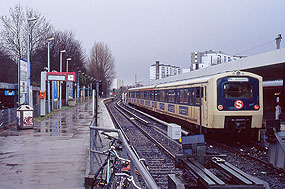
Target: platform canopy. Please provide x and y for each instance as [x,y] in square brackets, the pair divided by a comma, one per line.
[270,65]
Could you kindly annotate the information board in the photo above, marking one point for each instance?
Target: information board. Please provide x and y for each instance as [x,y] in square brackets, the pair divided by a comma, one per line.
[22,81]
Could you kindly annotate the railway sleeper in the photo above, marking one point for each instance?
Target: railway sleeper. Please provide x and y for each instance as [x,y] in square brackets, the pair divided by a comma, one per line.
[238,178]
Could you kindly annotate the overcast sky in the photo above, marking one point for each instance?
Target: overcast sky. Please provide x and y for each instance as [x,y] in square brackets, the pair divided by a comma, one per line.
[139,32]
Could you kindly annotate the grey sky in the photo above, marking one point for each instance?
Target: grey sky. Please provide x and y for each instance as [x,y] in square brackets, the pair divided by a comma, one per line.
[141,31]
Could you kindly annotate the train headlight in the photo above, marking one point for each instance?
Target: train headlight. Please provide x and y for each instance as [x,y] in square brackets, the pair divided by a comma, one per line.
[220,107]
[256,107]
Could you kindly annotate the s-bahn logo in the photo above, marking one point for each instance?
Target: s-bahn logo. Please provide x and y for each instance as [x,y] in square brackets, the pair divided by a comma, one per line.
[239,104]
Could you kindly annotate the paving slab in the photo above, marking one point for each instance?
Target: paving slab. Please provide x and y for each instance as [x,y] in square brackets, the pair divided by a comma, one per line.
[52,155]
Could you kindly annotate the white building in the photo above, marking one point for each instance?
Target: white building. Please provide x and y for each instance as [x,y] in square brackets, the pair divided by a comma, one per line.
[163,71]
[118,83]
[209,58]
[185,70]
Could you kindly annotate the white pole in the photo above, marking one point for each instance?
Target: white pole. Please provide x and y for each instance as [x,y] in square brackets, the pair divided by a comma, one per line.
[60,86]
[28,59]
[93,102]
[60,70]
[29,65]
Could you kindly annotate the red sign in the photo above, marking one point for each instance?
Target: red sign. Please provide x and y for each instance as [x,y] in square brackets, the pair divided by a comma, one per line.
[239,104]
[61,76]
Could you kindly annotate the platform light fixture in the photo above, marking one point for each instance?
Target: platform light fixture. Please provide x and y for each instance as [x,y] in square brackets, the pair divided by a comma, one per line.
[49,40]
[28,58]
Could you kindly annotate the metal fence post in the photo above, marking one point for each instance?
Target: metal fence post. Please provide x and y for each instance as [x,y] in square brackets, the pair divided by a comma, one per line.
[92,145]
[9,116]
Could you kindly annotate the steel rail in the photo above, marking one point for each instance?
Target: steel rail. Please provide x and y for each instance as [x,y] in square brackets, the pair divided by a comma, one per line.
[145,133]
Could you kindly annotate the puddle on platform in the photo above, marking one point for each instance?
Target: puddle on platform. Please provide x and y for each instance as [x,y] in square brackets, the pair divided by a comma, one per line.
[63,125]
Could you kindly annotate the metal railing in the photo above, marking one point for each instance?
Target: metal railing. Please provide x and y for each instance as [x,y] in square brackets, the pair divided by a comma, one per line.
[8,117]
[149,181]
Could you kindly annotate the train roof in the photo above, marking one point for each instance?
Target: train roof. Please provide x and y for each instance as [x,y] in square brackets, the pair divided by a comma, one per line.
[184,82]
[191,81]
[275,83]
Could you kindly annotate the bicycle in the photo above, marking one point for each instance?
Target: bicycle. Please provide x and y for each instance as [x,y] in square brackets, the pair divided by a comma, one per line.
[105,175]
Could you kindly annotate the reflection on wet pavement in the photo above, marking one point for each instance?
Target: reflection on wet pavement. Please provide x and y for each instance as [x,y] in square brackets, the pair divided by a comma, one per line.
[52,155]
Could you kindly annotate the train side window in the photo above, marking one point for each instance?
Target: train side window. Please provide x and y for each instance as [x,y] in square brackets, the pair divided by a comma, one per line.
[199,95]
[192,96]
[156,95]
[205,93]
[185,96]
[181,96]
[162,95]
[171,96]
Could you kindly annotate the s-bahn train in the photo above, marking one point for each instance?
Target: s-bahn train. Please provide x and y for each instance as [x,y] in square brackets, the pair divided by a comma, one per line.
[226,103]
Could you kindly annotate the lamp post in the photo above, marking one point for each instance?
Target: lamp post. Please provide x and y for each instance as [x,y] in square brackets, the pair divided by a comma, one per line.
[28,58]
[60,86]
[49,40]
[67,82]
[78,87]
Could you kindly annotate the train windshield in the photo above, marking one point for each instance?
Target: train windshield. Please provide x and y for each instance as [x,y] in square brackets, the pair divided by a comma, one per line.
[238,90]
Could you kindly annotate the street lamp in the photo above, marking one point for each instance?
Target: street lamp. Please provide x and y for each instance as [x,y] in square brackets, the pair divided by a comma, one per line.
[49,40]
[60,86]
[66,89]
[69,59]
[28,58]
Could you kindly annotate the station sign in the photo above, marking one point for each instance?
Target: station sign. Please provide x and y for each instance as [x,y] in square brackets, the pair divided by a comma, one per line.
[61,76]
[9,93]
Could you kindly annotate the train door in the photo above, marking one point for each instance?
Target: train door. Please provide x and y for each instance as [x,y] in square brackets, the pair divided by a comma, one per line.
[205,107]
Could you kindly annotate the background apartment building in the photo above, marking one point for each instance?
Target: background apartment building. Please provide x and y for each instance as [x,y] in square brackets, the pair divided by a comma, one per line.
[209,58]
[159,71]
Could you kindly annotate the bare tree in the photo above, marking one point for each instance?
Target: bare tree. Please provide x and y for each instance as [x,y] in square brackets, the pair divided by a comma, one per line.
[14,34]
[8,68]
[63,40]
[102,65]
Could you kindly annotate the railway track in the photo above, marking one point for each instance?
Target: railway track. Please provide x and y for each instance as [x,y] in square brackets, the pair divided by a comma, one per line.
[248,162]
[153,146]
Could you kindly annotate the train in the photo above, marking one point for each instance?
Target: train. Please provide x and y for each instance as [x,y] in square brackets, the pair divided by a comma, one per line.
[225,104]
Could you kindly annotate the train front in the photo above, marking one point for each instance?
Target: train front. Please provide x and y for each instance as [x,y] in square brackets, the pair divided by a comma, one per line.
[239,103]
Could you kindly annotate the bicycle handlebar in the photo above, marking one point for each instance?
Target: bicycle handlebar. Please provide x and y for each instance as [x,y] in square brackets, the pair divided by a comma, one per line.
[111,137]
[111,151]
[129,178]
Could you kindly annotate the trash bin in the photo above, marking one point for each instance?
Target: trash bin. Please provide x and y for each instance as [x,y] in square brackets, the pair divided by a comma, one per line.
[25,117]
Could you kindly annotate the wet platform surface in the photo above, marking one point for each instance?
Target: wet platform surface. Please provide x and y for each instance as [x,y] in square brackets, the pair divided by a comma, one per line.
[52,155]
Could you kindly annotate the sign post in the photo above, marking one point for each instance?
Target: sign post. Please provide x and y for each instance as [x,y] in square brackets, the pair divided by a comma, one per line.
[61,77]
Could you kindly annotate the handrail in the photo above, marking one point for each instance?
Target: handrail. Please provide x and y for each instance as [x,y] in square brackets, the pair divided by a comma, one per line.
[143,172]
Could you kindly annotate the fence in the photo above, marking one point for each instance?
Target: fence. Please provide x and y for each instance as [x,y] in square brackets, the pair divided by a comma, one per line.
[9,116]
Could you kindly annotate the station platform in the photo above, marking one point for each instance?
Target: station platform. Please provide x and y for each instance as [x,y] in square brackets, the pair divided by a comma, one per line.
[53,154]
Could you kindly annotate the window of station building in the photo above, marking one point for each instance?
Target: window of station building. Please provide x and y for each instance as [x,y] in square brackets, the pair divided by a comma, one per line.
[238,90]
[171,96]
[225,59]
[183,97]
[162,95]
